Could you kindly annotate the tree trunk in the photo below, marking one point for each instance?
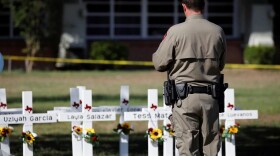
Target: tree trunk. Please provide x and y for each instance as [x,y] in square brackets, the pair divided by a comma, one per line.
[32,47]
[28,65]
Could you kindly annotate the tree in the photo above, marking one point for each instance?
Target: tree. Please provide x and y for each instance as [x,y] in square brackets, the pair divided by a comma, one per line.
[34,20]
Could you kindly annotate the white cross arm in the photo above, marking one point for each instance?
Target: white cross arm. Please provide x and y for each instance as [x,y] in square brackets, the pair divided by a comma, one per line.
[11,111]
[96,116]
[239,114]
[117,109]
[28,118]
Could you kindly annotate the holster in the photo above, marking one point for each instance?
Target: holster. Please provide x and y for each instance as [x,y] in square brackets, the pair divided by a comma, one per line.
[218,92]
[169,92]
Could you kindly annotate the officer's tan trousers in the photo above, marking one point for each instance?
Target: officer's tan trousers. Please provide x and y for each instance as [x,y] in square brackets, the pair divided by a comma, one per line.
[196,125]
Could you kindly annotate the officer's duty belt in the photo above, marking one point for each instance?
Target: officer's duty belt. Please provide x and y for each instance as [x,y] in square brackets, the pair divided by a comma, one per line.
[199,89]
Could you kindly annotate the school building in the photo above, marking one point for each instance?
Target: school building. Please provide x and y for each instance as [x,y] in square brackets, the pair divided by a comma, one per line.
[141,24]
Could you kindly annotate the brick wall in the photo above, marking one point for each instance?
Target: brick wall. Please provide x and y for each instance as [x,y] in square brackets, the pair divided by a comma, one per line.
[140,50]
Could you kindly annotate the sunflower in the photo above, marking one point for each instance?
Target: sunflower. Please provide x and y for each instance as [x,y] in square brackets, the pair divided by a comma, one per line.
[156,134]
[28,137]
[171,133]
[126,125]
[228,132]
[4,132]
[78,129]
[233,130]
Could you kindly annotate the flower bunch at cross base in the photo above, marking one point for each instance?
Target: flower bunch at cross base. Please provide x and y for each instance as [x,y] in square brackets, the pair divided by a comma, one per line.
[28,137]
[91,137]
[231,130]
[169,129]
[124,128]
[5,132]
[155,134]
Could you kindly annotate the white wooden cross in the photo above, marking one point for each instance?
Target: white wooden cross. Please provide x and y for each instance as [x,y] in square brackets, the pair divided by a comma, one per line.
[5,145]
[230,115]
[152,115]
[81,99]
[119,110]
[124,107]
[27,118]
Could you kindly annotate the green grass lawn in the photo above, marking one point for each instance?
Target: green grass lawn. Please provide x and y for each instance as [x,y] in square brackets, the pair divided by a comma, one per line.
[254,90]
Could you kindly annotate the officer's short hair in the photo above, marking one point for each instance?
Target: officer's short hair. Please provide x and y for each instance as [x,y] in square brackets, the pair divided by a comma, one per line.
[196,5]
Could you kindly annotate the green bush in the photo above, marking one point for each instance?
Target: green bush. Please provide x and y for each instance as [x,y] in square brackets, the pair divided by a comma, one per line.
[108,50]
[259,54]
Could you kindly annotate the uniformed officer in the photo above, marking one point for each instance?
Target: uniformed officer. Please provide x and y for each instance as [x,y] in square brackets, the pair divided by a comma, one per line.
[193,52]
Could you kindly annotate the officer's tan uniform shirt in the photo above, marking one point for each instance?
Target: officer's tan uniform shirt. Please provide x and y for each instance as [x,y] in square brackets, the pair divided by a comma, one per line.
[198,47]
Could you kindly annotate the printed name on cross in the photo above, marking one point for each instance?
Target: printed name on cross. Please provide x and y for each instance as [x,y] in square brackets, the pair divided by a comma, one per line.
[156,115]
[116,109]
[89,116]
[24,118]
[19,118]
[239,114]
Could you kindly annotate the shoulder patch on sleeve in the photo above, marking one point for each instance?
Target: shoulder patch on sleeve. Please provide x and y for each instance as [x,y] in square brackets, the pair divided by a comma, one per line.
[164,36]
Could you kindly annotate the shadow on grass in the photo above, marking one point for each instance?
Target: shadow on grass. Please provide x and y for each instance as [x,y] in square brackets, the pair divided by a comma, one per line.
[257,141]
[61,145]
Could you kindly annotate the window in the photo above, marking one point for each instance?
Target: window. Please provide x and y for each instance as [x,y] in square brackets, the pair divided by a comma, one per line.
[127,19]
[98,18]
[160,16]
[116,19]
[7,29]
[221,12]
[139,19]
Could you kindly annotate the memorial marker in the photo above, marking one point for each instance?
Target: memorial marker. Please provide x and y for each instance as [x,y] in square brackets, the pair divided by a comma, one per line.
[152,115]
[230,115]
[27,118]
[81,99]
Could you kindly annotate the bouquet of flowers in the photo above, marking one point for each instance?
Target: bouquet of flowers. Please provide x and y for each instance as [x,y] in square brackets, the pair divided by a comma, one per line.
[124,128]
[228,132]
[155,134]
[91,137]
[28,137]
[169,129]
[4,132]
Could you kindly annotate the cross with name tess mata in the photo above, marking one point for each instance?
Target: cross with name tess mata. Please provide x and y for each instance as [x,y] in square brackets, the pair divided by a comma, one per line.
[152,114]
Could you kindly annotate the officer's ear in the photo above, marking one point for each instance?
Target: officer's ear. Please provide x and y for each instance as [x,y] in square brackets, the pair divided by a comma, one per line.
[184,7]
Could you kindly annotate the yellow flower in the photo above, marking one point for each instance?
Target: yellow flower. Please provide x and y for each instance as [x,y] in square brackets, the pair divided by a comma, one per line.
[90,130]
[233,130]
[171,133]
[126,125]
[156,134]
[29,137]
[78,129]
